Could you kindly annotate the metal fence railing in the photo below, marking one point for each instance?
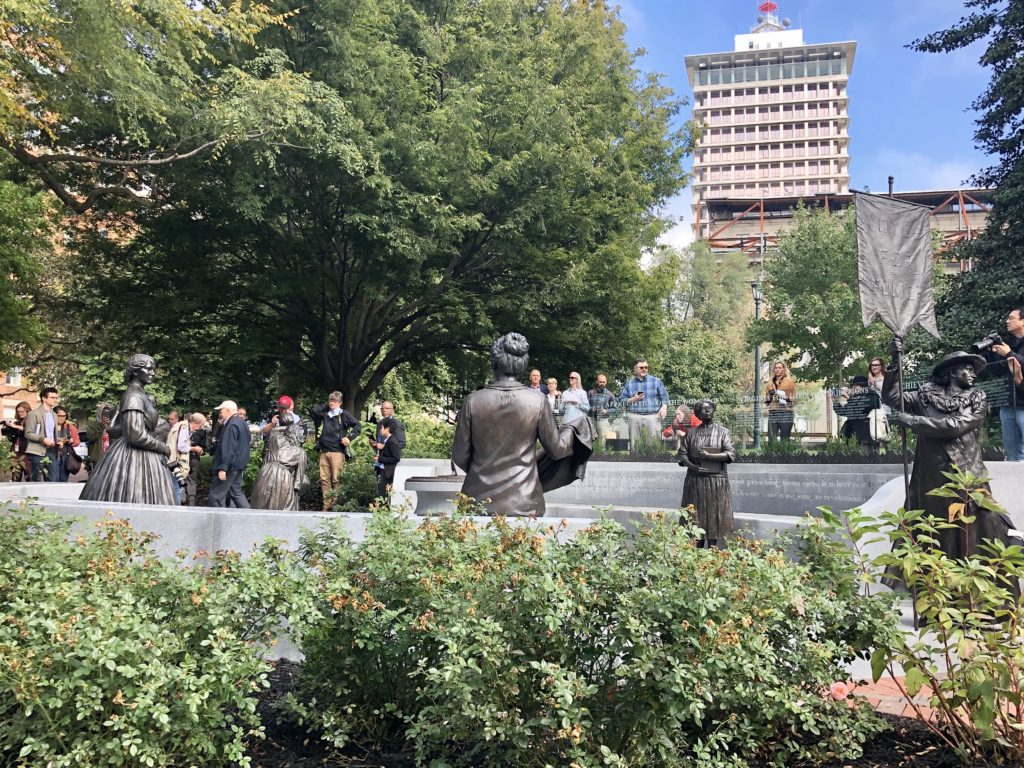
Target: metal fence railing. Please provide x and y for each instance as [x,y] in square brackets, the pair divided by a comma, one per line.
[820,419]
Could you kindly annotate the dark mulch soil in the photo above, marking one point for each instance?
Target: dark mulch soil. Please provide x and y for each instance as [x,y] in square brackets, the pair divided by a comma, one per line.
[906,744]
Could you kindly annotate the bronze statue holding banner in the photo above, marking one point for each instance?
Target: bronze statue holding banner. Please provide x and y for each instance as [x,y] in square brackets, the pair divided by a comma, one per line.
[946,413]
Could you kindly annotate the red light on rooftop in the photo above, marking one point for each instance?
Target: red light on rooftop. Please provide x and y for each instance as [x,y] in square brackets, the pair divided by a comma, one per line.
[768,7]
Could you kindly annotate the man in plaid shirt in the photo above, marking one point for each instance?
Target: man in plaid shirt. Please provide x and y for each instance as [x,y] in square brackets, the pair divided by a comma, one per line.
[646,403]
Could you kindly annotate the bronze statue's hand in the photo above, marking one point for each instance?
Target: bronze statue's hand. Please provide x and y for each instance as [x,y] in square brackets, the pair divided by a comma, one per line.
[164,449]
[905,419]
[896,347]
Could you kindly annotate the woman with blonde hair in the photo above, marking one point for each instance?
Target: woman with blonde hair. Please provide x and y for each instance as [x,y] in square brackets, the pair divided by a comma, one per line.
[780,395]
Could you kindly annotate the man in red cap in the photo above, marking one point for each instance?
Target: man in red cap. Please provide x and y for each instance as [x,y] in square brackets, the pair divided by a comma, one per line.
[285,415]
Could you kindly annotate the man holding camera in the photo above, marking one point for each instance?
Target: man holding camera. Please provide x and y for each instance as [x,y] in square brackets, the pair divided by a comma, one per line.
[282,413]
[338,428]
[1011,355]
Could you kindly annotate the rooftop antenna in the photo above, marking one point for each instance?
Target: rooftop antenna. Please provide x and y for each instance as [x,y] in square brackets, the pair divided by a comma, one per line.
[770,11]
[768,17]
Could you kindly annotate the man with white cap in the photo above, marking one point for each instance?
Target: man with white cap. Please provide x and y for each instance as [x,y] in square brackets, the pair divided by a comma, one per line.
[229,458]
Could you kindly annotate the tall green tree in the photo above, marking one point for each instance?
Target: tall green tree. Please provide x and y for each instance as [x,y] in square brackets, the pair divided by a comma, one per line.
[701,348]
[455,170]
[98,96]
[812,298]
[694,361]
[978,300]
[713,288]
[27,235]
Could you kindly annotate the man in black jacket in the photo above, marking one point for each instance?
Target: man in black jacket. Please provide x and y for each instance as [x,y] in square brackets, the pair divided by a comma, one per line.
[389,453]
[387,411]
[230,458]
[337,428]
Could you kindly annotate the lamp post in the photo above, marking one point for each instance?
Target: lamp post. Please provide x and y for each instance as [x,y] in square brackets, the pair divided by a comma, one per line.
[755,291]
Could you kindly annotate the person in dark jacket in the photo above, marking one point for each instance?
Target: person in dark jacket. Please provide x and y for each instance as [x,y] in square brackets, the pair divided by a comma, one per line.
[230,458]
[337,429]
[389,453]
[387,411]
[856,405]
[200,445]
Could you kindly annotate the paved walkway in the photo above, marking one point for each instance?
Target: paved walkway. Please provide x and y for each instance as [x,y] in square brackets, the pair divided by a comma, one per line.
[887,697]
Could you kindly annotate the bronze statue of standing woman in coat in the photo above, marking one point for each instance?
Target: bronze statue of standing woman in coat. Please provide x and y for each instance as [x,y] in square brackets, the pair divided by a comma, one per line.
[497,434]
[706,451]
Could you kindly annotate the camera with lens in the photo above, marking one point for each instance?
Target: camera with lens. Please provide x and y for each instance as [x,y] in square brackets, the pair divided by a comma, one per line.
[985,344]
[276,409]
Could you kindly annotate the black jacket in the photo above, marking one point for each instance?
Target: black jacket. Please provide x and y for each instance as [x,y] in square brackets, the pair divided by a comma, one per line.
[398,435]
[334,428]
[388,457]
[998,365]
[233,440]
[857,410]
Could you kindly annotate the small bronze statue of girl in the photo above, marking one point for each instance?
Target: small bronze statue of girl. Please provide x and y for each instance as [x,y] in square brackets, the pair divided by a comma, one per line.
[706,451]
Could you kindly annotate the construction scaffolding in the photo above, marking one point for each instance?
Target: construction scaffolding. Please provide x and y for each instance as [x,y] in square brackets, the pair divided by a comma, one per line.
[753,226]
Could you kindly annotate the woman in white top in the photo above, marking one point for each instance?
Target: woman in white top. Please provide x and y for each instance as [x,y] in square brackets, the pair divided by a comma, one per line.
[575,404]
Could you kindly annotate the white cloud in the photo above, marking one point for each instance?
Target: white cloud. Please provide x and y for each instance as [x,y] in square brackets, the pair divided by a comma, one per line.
[679,210]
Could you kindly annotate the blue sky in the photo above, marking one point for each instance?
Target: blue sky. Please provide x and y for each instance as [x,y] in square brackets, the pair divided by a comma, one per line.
[910,113]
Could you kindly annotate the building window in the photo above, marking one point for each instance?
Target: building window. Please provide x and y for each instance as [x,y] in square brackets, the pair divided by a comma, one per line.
[14,377]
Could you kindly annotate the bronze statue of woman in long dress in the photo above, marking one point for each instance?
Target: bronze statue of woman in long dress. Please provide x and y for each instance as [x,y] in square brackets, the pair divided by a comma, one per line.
[706,451]
[134,470]
[282,479]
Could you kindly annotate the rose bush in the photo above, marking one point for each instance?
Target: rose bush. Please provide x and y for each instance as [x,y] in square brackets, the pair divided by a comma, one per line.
[506,644]
[110,656]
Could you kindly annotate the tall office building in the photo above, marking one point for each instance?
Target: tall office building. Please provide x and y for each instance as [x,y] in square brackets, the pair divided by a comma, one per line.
[775,111]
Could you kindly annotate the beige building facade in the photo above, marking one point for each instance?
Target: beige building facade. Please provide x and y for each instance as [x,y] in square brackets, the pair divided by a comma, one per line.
[775,116]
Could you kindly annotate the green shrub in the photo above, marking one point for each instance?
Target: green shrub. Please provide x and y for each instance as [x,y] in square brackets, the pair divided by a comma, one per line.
[111,657]
[427,438]
[358,488]
[501,645]
[969,650]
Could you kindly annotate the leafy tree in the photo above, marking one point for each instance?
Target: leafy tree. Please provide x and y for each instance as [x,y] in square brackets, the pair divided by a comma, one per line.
[26,236]
[978,300]
[697,361]
[713,288]
[452,171]
[700,351]
[97,96]
[813,300]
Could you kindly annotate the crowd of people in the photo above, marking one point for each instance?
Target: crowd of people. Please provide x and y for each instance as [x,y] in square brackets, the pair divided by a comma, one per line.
[46,446]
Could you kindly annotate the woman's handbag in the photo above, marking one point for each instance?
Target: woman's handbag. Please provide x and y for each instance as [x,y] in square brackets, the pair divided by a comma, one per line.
[72,462]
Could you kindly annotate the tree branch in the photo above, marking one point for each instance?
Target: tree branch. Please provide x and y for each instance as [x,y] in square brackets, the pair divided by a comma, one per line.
[33,160]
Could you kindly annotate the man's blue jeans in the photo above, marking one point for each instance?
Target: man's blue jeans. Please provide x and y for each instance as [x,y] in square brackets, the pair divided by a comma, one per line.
[1012,420]
[49,472]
